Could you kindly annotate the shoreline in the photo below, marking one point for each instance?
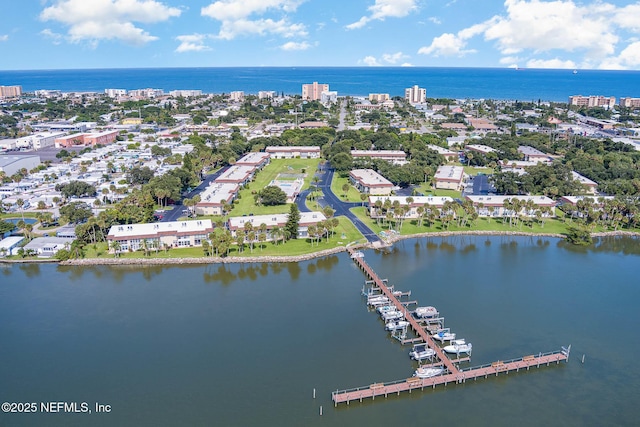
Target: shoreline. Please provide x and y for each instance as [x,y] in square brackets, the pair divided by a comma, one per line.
[296,258]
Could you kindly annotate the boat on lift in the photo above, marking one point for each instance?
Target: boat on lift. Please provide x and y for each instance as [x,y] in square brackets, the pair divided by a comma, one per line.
[426,312]
[457,347]
[396,325]
[357,254]
[429,371]
[421,352]
[444,335]
[392,315]
[385,308]
[377,300]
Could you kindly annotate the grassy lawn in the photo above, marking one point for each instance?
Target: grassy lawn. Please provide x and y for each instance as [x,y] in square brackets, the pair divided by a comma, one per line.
[410,226]
[471,170]
[245,202]
[353,195]
[427,189]
[345,233]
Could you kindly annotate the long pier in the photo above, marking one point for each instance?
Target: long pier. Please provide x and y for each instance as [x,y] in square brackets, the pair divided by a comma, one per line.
[454,375]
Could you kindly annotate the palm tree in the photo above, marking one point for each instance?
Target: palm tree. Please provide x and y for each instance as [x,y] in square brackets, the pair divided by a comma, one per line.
[115,246]
[363,197]
[20,203]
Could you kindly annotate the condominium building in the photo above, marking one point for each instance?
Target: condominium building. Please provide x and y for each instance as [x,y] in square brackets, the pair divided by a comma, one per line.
[415,95]
[273,221]
[313,91]
[449,177]
[185,93]
[236,96]
[379,97]
[10,91]
[115,93]
[266,94]
[304,152]
[392,156]
[159,235]
[592,101]
[215,197]
[370,182]
[630,102]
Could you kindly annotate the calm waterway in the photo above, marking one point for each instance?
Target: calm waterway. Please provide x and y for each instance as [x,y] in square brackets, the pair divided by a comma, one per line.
[241,345]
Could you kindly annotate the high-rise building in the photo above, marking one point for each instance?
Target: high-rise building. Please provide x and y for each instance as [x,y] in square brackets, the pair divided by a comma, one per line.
[266,94]
[415,95]
[592,101]
[237,95]
[10,91]
[114,93]
[630,102]
[379,97]
[313,91]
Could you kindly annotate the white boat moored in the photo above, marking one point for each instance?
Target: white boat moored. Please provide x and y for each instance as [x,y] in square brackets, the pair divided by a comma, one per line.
[396,325]
[457,347]
[421,352]
[426,312]
[428,371]
[444,335]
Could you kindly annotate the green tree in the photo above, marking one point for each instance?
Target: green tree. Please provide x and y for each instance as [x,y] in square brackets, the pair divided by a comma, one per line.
[272,195]
[76,212]
[293,221]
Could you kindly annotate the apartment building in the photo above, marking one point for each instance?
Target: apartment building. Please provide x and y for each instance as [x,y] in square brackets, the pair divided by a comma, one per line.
[449,177]
[630,102]
[592,101]
[313,91]
[10,91]
[370,182]
[415,95]
[379,97]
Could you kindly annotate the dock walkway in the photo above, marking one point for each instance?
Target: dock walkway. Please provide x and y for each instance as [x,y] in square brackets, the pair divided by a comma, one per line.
[455,375]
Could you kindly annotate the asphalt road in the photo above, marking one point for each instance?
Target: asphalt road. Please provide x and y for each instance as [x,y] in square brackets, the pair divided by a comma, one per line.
[177,210]
[342,208]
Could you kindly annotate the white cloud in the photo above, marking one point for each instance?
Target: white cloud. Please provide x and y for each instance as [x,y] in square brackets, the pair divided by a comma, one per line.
[4,37]
[234,17]
[446,45]
[553,25]
[629,57]
[295,46]
[192,43]
[383,9]
[229,10]
[551,63]
[54,37]
[283,28]
[393,58]
[406,64]
[108,19]
[528,27]
[371,61]
[386,59]
[434,20]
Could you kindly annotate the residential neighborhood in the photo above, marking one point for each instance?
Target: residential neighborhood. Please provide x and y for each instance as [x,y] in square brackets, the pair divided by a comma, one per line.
[145,170]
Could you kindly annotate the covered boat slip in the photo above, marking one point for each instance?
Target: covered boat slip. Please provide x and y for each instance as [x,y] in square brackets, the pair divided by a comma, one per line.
[423,327]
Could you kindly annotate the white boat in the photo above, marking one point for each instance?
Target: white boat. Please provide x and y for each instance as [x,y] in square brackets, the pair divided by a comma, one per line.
[428,371]
[385,308]
[457,347]
[396,325]
[378,300]
[426,312]
[357,254]
[392,315]
[421,352]
[443,336]
[575,71]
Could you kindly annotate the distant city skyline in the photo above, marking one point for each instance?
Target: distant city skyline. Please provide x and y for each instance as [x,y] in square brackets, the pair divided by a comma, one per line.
[76,34]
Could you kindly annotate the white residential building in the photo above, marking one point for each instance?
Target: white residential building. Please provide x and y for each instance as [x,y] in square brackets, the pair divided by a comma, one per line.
[175,234]
[275,220]
[415,95]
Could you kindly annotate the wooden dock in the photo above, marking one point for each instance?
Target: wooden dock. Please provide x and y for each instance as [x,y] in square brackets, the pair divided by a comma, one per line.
[455,374]
[461,376]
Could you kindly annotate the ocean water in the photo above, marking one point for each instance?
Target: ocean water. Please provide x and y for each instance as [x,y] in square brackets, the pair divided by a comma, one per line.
[245,345]
[458,83]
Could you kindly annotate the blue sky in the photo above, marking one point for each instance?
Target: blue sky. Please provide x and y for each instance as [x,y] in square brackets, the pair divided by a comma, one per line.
[55,34]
